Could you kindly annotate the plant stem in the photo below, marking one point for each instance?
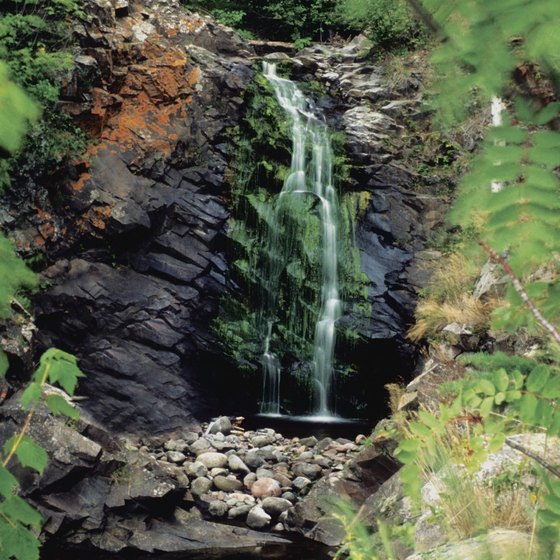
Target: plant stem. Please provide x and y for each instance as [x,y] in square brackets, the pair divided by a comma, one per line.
[521,290]
[28,419]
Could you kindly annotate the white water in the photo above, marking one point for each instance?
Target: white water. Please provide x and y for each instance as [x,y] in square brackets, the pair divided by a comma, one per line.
[310,174]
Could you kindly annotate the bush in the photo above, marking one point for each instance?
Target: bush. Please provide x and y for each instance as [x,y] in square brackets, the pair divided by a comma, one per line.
[390,24]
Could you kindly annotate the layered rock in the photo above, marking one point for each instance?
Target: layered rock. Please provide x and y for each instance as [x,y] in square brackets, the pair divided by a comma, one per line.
[135,241]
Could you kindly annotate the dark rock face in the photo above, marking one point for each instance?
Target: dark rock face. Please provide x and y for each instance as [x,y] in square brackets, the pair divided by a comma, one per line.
[136,240]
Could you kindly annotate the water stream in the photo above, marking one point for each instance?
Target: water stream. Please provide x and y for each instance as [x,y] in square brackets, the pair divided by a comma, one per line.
[310,175]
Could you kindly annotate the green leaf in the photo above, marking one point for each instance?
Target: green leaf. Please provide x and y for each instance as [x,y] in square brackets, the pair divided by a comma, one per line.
[32,455]
[31,395]
[19,510]
[411,445]
[420,430]
[486,387]
[538,377]
[8,482]
[497,442]
[500,379]
[553,504]
[4,363]
[552,388]
[528,408]
[500,398]
[58,405]
[62,369]
[486,406]
[18,542]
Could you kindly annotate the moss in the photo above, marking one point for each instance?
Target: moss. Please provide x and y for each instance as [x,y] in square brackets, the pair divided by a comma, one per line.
[262,152]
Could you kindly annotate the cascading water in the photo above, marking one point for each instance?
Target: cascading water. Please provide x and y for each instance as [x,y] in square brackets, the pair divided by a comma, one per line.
[310,175]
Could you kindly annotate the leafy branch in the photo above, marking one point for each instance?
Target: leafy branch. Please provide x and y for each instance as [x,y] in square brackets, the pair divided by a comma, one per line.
[18,519]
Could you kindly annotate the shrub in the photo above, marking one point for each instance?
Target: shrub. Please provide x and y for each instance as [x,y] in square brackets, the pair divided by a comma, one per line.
[390,24]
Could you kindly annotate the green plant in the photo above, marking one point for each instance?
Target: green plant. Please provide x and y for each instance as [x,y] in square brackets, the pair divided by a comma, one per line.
[34,44]
[19,521]
[390,24]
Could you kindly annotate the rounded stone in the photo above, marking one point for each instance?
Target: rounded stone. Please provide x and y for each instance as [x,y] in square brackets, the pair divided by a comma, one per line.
[249,480]
[253,459]
[217,471]
[221,424]
[199,446]
[196,469]
[239,512]
[258,518]
[217,508]
[301,482]
[176,457]
[227,483]
[264,473]
[307,470]
[200,486]
[275,506]
[265,487]
[212,459]
[236,464]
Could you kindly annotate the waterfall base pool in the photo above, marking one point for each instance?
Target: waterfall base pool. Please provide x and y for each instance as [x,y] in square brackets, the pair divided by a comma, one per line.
[304,426]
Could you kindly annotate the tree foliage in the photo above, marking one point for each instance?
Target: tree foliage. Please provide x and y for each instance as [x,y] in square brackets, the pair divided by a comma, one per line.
[19,521]
[35,45]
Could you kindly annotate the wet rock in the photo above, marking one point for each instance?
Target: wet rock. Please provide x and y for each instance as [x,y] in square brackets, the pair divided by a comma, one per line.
[266,487]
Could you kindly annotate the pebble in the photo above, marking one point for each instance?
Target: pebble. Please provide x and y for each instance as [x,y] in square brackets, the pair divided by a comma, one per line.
[266,487]
[253,476]
[227,483]
[211,459]
[217,508]
[275,506]
[236,464]
[196,469]
[176,457]
[201,445]
[221,424]
[258,518]
[200,486]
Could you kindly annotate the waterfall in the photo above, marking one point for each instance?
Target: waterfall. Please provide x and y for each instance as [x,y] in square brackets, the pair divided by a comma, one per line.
[310,175]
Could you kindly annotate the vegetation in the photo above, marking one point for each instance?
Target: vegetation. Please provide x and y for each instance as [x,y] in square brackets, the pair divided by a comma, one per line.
[35,43]
[392,25]
[19,521]
[507,211]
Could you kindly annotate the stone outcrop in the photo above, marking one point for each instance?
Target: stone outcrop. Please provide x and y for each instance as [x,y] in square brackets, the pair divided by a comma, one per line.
[135,241]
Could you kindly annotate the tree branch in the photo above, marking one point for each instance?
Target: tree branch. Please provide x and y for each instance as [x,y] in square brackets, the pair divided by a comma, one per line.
[521,290]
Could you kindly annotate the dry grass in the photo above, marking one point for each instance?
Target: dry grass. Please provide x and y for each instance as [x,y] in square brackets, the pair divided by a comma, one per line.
[396,391]
[465,310]
[470,507]
[448,299]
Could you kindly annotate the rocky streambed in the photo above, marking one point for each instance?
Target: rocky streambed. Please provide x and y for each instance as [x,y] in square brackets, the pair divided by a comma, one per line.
[216,491]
